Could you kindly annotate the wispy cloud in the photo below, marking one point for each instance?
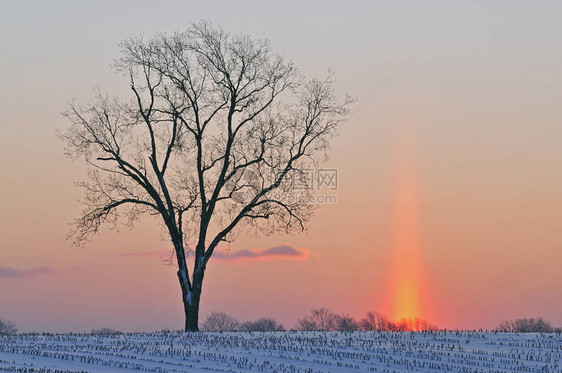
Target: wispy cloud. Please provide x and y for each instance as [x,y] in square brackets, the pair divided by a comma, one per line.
[283,252]
[7,272]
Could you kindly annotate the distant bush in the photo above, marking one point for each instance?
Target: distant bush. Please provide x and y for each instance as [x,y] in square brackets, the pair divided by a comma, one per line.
[220,322]
[345,323]
[527,325]
[7,327]
[415,325]
[165,331]
[374,321]
[262,325]
[319,319]
[105,331]
[322,319]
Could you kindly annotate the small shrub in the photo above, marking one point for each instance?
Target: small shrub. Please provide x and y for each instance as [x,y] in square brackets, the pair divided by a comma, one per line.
[527,325]
[262,325]
[374,321]
[344,323]
[321,319]
[105,331]
[220,322]
[7,327]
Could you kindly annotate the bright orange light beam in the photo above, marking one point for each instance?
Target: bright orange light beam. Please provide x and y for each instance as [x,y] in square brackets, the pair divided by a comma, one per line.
[407,267]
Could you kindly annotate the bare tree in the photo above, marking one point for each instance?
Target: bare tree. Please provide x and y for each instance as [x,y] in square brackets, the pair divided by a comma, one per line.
[413,325]
[319,319]
[217,128]
[263,324]
[527,325]
[7,327]
[345,323]
[220,322]
[374,321]
[105,331]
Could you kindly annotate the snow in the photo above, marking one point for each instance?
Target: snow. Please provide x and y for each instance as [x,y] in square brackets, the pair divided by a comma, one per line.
[283,352]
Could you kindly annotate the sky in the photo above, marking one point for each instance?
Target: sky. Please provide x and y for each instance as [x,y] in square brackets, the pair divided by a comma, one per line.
[449,195]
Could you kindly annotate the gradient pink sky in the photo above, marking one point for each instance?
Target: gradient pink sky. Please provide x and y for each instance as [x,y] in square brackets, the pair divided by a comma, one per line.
[479,103]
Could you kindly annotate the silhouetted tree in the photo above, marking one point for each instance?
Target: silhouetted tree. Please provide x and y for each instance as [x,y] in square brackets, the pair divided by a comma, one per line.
[323,319]
[206,144]
[263,324]
[527,325]
[345,323]
[105,331]
[319,319]
[374,321]
[220,322]
[7,327]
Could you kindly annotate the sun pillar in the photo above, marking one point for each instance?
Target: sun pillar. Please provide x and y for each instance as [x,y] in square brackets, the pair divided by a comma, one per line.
[406,267]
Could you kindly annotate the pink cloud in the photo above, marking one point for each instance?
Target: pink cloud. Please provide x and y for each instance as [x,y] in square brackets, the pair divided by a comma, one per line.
[7,272]
[283,252]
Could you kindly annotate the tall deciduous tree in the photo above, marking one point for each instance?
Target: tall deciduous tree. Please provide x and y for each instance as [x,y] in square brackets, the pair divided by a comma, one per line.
[217,130]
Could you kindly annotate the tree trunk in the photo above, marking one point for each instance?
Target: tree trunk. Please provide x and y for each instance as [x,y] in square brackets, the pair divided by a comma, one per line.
[191,308]
[191,299]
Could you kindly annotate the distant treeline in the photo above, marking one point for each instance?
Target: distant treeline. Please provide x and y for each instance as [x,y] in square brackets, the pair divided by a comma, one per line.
[528,325]
[320,319]
[222,322]
[325,320]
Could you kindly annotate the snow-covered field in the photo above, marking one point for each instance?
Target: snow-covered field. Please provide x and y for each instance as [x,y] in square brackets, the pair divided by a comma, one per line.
[284,352]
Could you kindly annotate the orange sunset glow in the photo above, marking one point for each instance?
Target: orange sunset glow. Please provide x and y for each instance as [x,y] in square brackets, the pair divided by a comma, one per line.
[407,278]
